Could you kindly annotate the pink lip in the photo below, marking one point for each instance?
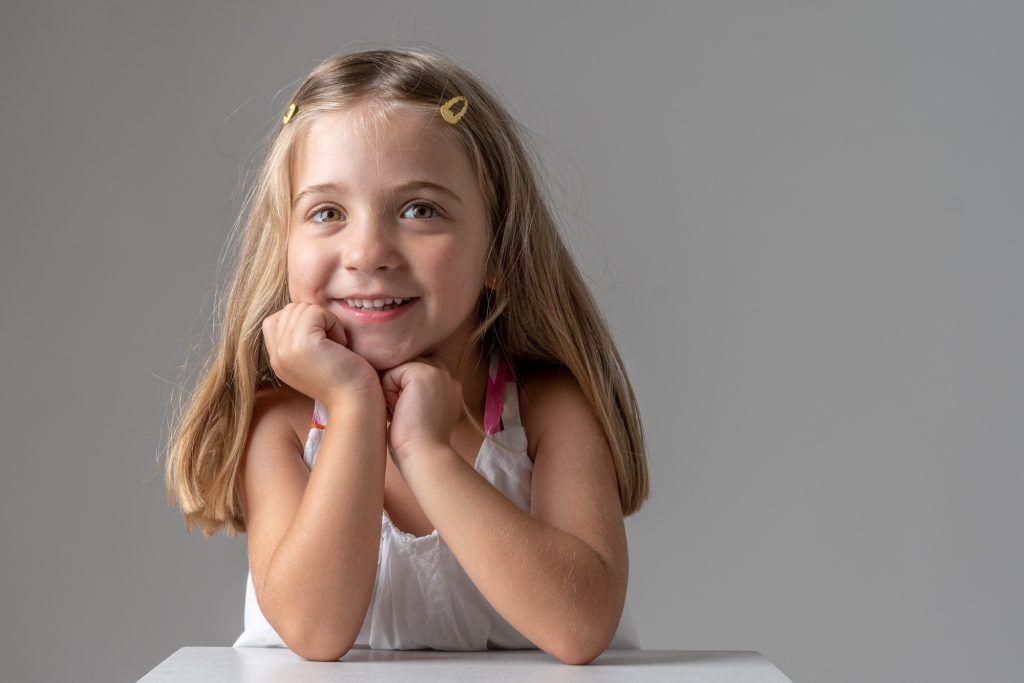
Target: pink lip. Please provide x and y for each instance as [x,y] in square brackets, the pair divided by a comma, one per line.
[364,316]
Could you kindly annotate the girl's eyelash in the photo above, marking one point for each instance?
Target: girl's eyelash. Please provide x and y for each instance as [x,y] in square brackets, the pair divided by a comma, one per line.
[327,207]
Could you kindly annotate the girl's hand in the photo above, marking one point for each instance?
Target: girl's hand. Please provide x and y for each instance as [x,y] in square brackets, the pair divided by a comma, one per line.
[307,348]
[424,401]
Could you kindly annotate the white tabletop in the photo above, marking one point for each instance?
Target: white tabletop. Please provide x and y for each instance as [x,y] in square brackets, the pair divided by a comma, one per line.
[251,664]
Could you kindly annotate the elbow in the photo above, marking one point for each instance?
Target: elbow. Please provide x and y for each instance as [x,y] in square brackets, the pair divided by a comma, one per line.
[319,644]
[319,637]
[317,651]
[578,655]
[577,660]
[578,646]
[582,649]
[316,656]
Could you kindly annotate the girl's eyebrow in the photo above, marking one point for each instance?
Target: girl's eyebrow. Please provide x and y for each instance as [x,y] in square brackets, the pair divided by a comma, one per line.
[324,188]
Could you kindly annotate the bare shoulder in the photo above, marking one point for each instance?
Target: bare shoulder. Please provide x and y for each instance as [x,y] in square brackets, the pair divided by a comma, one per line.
[545,392]
[574,485]
[279,425]
[536,382]
[287,405]
[272,474]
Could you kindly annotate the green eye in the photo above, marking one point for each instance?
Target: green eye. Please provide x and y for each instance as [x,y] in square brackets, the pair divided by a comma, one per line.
[418,214]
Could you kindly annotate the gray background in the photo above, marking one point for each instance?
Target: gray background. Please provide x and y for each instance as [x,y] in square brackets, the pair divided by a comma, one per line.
[803,221]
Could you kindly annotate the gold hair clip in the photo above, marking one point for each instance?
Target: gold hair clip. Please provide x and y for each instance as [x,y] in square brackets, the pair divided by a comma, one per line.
[291,111]
[446,110]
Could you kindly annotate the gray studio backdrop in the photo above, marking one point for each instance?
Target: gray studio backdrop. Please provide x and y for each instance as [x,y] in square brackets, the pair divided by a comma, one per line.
[803,221]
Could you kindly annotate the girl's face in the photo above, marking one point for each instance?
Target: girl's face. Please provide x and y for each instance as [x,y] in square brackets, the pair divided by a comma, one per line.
[364,222]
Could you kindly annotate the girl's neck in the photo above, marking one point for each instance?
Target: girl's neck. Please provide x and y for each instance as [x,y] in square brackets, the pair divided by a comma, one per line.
[474,383]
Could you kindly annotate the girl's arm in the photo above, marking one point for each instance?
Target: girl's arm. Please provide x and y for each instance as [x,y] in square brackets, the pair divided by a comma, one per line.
[318,580]
[559,574]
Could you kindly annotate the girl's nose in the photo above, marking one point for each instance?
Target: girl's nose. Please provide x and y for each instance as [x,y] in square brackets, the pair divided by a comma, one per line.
[369,245]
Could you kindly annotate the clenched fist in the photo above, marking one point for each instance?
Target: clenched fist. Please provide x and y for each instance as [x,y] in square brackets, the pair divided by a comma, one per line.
[425,403]
[308,351]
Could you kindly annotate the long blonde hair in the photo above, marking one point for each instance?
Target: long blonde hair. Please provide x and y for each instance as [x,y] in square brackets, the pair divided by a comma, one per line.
[539,313]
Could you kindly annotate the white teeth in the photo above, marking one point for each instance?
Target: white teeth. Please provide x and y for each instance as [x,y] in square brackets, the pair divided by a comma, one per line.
[375,303]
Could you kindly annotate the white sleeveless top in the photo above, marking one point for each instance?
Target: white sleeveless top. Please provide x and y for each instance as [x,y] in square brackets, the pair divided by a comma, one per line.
[422,598]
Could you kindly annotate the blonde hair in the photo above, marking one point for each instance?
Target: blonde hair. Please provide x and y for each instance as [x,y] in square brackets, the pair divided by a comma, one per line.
[539,313]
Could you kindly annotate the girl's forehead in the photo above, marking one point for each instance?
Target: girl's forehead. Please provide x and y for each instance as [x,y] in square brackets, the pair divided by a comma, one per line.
[361,145]
[366,125]
[361,139]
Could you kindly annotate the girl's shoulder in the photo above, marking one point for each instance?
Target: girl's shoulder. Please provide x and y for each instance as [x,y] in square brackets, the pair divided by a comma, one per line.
[542,389]
[288,404]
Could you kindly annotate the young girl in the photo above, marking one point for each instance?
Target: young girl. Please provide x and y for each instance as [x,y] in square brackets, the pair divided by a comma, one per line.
[415,411]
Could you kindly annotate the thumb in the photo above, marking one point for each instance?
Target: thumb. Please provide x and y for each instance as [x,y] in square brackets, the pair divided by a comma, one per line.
[333,329]
[391,381]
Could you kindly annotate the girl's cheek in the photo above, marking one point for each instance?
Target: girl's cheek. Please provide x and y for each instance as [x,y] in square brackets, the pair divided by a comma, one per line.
[306,266]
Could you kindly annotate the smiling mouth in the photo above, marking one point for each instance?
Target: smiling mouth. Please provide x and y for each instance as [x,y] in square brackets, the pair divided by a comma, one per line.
[357,305]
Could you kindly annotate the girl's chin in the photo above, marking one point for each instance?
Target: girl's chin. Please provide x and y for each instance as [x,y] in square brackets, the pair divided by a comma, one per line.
[381,359]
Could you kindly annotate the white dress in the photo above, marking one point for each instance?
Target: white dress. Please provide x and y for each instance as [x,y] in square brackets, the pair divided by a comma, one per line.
[422,598]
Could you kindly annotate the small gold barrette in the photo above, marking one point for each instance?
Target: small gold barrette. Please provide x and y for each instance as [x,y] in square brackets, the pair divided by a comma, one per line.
[453,117]
[291,110]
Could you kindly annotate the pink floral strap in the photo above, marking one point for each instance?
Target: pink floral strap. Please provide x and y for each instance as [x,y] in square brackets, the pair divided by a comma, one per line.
[499,373]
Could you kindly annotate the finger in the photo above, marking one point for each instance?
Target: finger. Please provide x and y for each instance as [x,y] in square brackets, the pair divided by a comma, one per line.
[390,401]
[333,328]
[390,384]
[282,320]
[394,380]
[269,331]
[279,328]
[324,322]
[289,314]
[432,359]
[306,321]
[387,381]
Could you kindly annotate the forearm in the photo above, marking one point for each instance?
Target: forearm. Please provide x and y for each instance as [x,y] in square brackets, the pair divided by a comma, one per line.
[320,578]
[549,584]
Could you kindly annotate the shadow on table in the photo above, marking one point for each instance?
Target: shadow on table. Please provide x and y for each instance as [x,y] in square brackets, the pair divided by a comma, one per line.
[654,657]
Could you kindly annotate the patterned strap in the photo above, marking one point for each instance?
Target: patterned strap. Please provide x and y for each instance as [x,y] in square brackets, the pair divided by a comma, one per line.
[500,407]
[319,420]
